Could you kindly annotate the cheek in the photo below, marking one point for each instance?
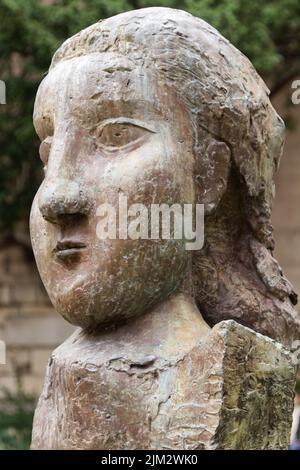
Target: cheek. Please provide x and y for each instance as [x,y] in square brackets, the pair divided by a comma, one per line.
[39,235]
[151,174]
[43,240]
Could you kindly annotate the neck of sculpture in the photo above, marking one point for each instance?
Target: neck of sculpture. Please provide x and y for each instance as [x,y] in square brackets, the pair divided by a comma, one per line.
[170,330]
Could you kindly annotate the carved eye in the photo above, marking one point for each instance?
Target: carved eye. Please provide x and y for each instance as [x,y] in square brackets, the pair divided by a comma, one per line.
[117,134]
[45,151]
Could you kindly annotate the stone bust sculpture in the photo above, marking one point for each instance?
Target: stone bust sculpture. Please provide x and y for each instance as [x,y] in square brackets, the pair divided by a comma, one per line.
[156,105]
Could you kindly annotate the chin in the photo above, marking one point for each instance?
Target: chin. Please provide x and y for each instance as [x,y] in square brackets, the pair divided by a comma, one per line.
[87,304]
[97,306]
[90,317]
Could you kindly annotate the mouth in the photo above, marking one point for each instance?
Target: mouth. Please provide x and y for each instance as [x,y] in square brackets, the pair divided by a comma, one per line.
[68,249]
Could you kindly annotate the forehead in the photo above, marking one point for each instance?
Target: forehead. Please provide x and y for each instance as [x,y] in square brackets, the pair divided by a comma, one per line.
[96,78]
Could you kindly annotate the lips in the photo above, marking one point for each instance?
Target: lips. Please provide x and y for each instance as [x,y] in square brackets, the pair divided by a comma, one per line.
[68,248]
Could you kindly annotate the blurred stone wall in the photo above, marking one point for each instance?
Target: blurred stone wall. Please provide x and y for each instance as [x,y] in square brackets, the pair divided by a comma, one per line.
[286,212]
[29,326]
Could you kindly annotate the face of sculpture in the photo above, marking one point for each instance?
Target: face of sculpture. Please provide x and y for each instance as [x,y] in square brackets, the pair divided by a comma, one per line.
[107,128]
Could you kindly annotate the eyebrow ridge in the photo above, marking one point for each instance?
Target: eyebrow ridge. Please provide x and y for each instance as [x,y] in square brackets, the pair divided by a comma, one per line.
[126,120]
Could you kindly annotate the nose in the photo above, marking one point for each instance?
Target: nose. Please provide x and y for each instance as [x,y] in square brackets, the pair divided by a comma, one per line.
[62,198]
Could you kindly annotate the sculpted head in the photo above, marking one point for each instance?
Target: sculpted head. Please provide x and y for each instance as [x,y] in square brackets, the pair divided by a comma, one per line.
[157,106]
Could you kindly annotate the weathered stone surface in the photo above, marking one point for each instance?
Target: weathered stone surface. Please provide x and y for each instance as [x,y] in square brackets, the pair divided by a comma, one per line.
[258,384]
[197,126]
[232,391]
[156,106]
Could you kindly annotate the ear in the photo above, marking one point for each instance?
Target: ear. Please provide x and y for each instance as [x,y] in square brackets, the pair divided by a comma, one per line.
[211,175]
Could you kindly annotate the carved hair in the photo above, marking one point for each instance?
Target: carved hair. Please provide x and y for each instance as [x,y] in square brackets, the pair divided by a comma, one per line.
[235,275]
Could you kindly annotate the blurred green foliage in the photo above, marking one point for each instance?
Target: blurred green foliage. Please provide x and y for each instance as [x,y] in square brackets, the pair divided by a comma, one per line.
[267,32]
[16,415]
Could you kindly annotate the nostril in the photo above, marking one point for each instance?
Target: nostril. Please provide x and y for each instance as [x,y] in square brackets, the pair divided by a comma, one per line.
[71,220]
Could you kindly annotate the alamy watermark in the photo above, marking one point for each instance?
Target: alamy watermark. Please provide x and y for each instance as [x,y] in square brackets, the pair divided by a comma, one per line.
[2,352]
[2,92]
[296,93]
[159,221]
